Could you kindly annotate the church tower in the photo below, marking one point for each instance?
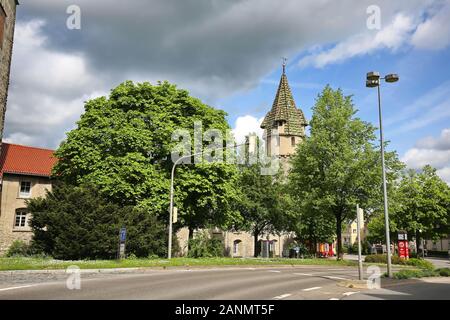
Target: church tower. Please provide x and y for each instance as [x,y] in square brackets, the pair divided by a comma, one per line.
[284,124]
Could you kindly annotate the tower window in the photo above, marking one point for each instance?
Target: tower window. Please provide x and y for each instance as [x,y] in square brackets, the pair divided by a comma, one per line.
[293,141]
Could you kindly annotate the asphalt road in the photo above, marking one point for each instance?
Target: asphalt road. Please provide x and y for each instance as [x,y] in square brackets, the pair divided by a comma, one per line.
[261,283]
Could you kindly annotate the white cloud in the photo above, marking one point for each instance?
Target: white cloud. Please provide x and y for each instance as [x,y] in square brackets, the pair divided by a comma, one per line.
[392,37]
[444,173]
[431,151]
[434,33]
[47,91]
[404,31]
[245,125]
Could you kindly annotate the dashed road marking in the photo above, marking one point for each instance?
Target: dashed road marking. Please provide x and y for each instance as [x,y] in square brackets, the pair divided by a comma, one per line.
[274,271]
[333,299]
[336,278]
[282,296]
[313,288]
[350,293]
[303,274]
[19,287]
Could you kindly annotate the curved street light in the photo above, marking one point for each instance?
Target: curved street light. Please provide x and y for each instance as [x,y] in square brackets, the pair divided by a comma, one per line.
[373,80]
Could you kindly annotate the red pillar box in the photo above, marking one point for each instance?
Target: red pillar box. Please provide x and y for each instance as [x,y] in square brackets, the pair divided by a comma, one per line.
[403,250]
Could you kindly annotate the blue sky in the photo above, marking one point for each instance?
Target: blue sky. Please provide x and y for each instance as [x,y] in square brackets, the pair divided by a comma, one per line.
[420,73]
[228,54]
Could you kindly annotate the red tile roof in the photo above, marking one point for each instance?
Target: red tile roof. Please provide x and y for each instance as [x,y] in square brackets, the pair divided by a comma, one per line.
[26,160]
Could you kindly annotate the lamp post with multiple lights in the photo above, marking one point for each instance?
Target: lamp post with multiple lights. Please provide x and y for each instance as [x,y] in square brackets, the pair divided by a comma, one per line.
[374,80]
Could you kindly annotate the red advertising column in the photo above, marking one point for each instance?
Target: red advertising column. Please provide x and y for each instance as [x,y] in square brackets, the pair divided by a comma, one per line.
[403,250]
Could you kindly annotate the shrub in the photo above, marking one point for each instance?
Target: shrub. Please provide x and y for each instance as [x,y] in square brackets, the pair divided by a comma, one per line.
[443,272]
[75,222]
[18,248]
[203,246]
[420,263]
[382,258]
[406,274]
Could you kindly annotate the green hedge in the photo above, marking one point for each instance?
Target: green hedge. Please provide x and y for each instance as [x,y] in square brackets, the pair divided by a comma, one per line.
[382,258]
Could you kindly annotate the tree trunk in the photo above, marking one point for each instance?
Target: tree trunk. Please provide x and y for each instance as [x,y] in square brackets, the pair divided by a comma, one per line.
[340,254]
[255,243]
[190,237]
[417,243]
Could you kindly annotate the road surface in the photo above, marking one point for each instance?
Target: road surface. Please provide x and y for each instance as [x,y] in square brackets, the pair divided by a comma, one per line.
[261,283]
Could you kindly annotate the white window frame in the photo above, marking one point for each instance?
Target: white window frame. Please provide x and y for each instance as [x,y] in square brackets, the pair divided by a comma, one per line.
[22,214]
[23,194]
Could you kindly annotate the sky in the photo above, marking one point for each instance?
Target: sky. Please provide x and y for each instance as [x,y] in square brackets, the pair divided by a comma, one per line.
[228,53]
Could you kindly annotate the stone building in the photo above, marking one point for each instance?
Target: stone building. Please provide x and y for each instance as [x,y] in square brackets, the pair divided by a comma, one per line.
[7,23]
[24,173]
[284,127]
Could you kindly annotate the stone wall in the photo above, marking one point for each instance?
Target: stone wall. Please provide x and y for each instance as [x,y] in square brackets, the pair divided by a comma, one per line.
[9,6]
[10,201]
[245,242]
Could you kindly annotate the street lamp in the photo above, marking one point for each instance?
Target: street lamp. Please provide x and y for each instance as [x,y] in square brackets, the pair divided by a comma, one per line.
[169,253]
[373,80]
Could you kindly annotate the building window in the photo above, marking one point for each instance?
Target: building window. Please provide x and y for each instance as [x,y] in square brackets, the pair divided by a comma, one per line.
[293,141]
[25,189]
[21,219]
[2,24]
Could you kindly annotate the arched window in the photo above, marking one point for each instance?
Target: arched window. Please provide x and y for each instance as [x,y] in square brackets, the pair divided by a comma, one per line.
[236,246]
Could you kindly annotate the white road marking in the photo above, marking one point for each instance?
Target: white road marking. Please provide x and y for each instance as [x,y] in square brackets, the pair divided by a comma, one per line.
[313,288]
[334,299]
[273,270]
[350,293]
[282,296]
[333,277]
[303,274]
[19,287]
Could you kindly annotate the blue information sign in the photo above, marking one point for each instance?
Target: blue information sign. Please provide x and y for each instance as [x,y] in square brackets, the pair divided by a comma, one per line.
[123,234]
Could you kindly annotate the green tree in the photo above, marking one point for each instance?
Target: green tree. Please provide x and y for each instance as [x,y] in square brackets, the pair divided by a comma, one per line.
[424,204]
[123,145]
[339,165]
[78,223]
[262,201]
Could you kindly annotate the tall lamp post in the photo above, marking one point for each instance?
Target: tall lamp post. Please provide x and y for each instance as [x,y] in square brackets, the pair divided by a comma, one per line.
[374,80]
[169,252]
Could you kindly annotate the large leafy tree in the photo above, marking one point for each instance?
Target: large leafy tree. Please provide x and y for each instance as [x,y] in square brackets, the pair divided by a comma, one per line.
[424,204]
[338,166]
[123,144]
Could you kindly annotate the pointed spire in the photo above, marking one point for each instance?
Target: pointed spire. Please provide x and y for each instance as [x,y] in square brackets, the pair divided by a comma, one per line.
[285,110]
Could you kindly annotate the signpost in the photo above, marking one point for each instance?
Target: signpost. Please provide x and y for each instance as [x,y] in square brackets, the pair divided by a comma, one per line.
[359,223]
[403,250]
[122,240]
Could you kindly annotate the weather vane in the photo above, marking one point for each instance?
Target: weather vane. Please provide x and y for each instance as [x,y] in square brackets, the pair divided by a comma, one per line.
[284,64]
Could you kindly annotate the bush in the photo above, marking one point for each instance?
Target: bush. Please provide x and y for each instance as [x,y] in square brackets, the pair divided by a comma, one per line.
[74,223]
[443,272]
[420,263]
[18,248]
[203,246]
[382,258]
[406,274]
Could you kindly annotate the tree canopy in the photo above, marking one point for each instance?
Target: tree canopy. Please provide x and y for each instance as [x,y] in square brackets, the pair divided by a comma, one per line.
[338,166]
[123,145]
